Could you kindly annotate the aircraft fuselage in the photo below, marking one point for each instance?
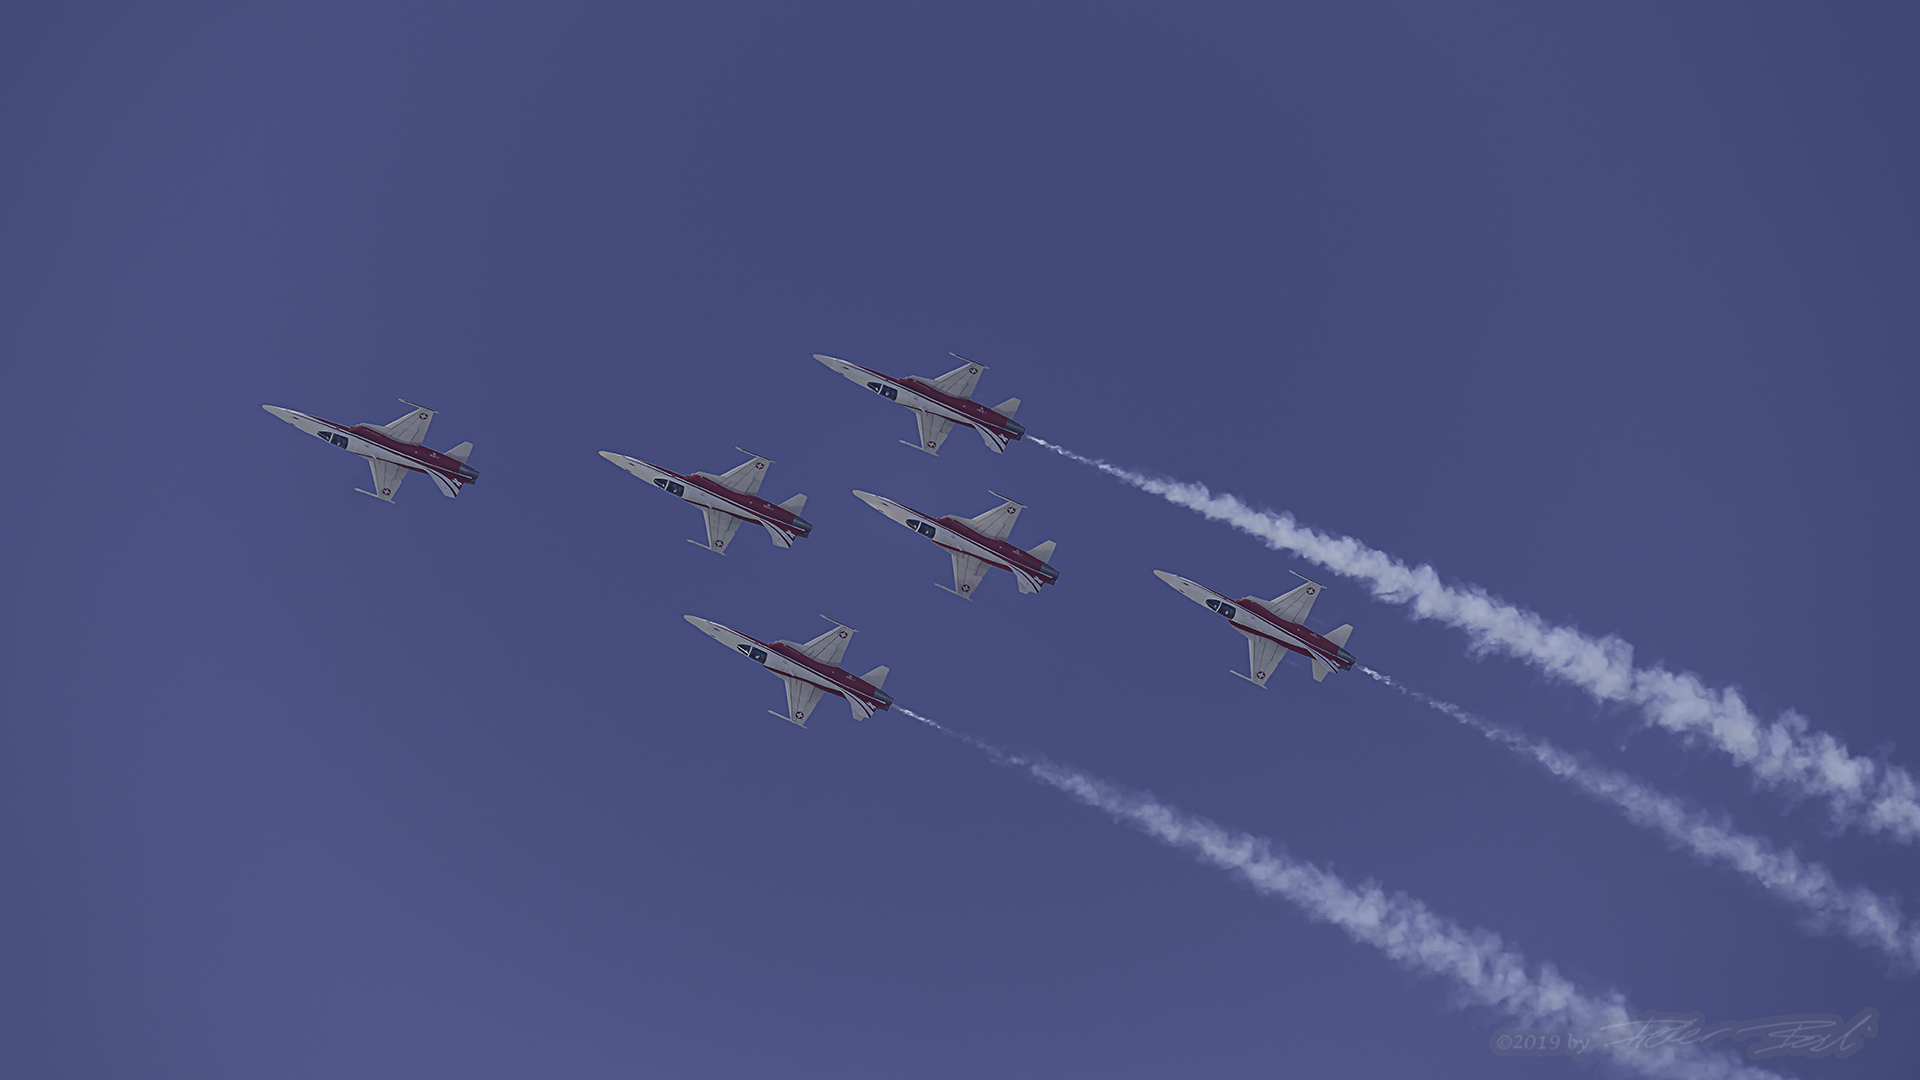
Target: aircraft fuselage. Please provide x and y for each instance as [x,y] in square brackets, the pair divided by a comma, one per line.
[1250,616]
[783,658]
[915,393]
[957,534]
[709,494]
[363,440]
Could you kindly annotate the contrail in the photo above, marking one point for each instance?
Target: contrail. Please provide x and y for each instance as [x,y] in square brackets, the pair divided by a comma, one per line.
[1786,755]
[1480,966]
[1864,917]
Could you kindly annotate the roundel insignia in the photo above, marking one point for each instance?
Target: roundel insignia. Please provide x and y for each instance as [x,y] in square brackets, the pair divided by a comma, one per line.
[1009,509]
[719,543]
[1260,674]
[799,716]
[973,371]
[423,416]
[966,588]
[386,491]
[930,444]
[1309,592]
[759,464]
[843,633]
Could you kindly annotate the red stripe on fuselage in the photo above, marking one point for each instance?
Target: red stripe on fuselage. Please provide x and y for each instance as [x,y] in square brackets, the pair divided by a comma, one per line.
[1025,560]
[978,414]
[1315,642]
[846,682]
[429,460]
[752,504]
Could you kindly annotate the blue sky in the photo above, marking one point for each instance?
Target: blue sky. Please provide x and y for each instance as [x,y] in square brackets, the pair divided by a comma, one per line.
[1610,312]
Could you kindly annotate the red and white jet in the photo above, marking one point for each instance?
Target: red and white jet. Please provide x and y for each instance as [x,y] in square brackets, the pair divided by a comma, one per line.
[726,500]
[976,543]
[1273,627]
[809,670]
[393,450]
[940,403]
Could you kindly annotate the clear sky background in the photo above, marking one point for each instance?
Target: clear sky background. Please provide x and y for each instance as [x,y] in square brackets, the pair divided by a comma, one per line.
[1610,311]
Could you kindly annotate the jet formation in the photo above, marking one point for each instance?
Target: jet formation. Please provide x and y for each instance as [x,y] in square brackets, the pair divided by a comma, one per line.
[1273,628]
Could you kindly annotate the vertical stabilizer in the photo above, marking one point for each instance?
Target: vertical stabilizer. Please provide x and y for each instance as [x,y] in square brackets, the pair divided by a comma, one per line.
[877,677]
[1008,407]
[1339,636]
[461,453]
[1042,551]
[793,505]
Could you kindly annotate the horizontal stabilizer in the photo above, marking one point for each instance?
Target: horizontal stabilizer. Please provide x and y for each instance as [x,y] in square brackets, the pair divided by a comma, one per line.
[793,505]
[1339,636]
[1042,551]
[1008,407]
[1320,669]
[461,453]
[877,677]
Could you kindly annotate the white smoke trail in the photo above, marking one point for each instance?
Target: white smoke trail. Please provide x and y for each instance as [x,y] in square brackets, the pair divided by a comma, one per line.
[1877,797]
[1481,967]
[1862,916]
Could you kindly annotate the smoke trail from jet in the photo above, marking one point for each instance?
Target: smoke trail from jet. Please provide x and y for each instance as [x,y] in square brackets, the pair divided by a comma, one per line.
[1785,755]
[1864,917]
[1482,969]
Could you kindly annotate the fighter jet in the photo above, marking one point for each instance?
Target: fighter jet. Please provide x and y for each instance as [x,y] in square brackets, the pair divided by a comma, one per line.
[809,670]
[976,543]
[1273,627]
[393,450]
[726,500]
[940,403]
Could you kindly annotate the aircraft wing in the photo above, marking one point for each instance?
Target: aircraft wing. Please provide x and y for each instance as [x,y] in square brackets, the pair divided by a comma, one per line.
[411,428]
[386,479]
[997,522]
[829,647]
[746,479]
[933,431]
[961,380]
[967,572]
[1263,656]
[801,698]
[719,529]
[1294,606]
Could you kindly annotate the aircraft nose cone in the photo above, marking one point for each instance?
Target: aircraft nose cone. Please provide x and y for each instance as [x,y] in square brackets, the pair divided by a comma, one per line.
[277,411]
[874,501]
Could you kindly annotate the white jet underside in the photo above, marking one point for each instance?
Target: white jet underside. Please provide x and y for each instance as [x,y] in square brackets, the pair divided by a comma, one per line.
[1264,652]
[935,420]
[722,518]
[803,693]
[970,561]
[388,470]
